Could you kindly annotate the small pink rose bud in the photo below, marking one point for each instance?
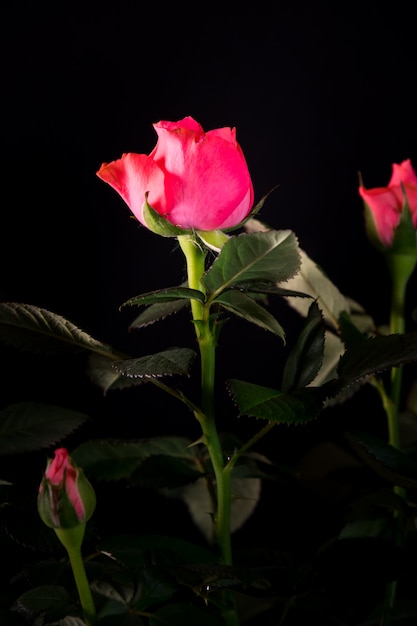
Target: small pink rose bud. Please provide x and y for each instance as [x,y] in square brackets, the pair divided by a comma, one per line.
[385,205]
[66,498]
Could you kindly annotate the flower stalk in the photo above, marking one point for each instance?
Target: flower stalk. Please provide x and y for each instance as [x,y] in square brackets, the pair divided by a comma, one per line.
[205,333]
[71,539]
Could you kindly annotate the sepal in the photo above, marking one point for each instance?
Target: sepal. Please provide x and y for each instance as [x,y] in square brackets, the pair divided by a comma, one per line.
[159,224]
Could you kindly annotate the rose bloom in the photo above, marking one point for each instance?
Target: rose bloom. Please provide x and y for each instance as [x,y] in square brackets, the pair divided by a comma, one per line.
[387,203]
[195,179]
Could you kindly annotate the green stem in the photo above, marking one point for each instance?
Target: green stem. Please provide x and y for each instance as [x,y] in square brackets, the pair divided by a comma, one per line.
[71,538]
[195,257]
[401,268]
[397,325]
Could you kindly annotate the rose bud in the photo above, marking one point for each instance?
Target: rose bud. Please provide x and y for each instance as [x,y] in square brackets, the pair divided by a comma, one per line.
[385,205]
[66,498]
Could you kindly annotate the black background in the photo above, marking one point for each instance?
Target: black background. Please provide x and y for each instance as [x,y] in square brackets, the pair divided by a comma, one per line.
[317,92]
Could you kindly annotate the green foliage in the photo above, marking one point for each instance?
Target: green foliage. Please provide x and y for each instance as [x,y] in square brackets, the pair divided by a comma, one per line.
[249,258]
[29,426]
[140,578]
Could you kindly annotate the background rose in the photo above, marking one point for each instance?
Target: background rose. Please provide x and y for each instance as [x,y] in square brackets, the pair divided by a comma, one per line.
[387,203]
[196,180]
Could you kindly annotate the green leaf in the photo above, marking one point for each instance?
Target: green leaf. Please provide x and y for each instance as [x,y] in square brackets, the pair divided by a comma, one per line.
[117,459]
[175,361]
[242,305]
[166,295]
[267,257]
[156,588]
[44,598]
[392,464]
[271,289]
[377,354]
[306,358]
[31,328]
[134,550]
[350,334]
[158,311]
[28,426]
[303,405]
[371,356]
[102,373]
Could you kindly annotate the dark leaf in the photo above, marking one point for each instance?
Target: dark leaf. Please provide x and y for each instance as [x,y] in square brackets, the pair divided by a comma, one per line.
[377,354]
[44,598]
[136,550]
[165,295]
[117,459]
[159,311]
[158,471]
[242,305]
[392,464]
[171,362]
[303,405]
[31,328]
[28,426]
[306,357]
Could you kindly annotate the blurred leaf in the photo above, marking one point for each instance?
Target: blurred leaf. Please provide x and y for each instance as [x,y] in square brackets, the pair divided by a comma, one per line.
[44,598]
[165,295]
[174,361]
[268,257]
[392,464]
[28,426]
[136,550]
[245,496]
[11,618]
[161,470]
[101,372]
[155,587]
[30,328]
[300,406]
[242,305]
[117,459]
[306,357]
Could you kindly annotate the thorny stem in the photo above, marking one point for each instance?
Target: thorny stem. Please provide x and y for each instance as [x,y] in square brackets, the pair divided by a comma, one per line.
[401,268]
[195,257]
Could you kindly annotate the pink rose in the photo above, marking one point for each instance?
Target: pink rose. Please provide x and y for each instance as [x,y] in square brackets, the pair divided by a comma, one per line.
[196,180]
[66,497]
[387,203]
